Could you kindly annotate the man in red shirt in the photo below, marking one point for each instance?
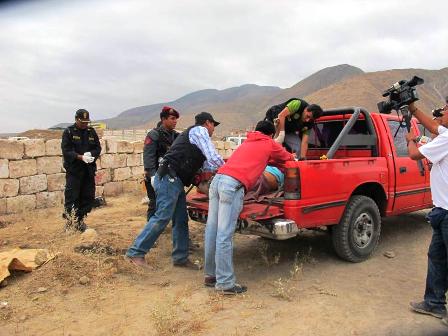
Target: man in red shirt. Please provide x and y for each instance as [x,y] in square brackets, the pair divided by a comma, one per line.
[239,173]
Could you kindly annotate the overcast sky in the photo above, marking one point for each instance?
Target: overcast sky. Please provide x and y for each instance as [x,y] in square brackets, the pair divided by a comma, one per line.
[111,55]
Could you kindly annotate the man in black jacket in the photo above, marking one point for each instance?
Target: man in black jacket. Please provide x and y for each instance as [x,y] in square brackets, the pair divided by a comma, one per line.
[191,151]
[300,119]
[157,142]
[80,149]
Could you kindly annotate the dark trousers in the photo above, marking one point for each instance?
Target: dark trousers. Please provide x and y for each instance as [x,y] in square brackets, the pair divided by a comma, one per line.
[437,276]
[79,193]
[151,198]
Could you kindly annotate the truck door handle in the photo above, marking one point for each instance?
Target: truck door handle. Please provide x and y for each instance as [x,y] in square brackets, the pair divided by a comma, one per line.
[402,170]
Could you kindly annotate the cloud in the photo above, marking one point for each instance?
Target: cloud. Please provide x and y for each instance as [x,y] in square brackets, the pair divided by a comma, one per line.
[109,56]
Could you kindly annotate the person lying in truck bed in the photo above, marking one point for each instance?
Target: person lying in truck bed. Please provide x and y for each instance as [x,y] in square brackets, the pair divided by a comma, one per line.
[268,185]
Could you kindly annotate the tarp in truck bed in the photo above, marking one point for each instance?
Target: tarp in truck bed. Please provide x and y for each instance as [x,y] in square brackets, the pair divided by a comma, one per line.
[269,207]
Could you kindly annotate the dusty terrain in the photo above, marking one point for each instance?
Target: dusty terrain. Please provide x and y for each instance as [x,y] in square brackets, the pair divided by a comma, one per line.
[296,287]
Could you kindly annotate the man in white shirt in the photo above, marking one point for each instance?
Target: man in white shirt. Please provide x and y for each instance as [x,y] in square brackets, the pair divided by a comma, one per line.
[435,151]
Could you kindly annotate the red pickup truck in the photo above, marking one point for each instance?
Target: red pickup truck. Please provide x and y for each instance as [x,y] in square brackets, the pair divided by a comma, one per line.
[358,171]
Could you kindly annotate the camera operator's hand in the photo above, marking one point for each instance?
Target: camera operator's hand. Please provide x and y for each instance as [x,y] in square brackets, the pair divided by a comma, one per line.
[412,108]
[410,136]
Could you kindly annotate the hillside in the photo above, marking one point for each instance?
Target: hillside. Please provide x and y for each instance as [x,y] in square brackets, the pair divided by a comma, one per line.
[239,108]
[191,104]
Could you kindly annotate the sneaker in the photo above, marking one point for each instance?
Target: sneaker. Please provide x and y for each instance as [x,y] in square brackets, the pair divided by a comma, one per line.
[237,289]
[188,264]
[423,308]
[209,281]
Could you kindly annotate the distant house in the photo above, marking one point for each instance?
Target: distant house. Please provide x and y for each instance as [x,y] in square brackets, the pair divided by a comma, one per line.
[237,139]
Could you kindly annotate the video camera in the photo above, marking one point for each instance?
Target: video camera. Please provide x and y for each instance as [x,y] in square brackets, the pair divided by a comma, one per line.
[400,94]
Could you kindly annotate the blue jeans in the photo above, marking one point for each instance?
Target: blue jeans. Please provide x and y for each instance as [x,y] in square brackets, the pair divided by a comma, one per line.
[226,201]
[437,276]
[170,204]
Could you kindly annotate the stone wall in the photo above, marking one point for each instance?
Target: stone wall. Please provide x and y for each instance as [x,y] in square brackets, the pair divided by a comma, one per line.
[32,176]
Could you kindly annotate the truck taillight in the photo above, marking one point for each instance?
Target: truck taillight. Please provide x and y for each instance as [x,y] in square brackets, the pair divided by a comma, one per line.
[292,184]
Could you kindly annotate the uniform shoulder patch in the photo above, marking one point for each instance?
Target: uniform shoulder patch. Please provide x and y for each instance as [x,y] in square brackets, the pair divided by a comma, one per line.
[148,140]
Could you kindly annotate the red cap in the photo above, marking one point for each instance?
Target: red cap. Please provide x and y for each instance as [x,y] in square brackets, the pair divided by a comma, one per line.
[170,111]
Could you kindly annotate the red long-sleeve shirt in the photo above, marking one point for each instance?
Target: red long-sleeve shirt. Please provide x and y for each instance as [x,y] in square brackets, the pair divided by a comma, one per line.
[250,159]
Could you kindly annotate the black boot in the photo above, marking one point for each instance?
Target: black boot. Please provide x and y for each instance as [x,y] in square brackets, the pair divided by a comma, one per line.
[80,225]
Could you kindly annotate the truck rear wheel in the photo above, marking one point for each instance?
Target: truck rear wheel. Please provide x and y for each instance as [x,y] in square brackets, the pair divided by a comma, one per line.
[357,234]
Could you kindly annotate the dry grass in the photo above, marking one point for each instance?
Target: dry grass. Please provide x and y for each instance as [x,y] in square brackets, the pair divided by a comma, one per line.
[173,315]
[166,319]
[284,288]
[71,219]
[215,302]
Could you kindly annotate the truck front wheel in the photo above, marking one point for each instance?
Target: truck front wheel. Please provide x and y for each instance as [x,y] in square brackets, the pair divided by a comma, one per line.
[357,234]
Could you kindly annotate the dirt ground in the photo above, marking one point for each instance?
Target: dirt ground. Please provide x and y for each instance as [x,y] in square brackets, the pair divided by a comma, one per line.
[296,287]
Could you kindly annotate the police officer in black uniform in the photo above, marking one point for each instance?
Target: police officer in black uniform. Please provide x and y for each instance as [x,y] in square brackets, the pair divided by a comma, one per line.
[157,142]
[80,149]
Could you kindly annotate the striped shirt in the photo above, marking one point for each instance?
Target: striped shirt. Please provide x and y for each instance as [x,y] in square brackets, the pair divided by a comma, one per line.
[199,136]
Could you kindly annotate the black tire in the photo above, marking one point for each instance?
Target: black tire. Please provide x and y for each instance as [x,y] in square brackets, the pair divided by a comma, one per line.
[357,234]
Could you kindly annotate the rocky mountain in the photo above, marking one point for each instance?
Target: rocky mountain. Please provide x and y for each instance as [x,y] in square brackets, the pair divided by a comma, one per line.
[319,80]
[239,108]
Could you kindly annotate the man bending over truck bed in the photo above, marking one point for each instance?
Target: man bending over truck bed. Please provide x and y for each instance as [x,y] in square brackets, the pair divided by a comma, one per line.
[226,194]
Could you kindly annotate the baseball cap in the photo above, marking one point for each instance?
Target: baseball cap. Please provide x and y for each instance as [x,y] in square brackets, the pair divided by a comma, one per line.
[170,111]
[202,117]
[82,115]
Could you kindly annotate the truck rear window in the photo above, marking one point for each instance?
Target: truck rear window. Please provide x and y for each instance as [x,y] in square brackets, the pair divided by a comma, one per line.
[324,134]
